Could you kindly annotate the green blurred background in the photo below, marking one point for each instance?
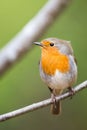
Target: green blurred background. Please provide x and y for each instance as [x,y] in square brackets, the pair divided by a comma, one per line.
[22,85]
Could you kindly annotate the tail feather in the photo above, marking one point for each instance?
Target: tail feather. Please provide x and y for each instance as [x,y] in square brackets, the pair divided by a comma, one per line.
[56,108]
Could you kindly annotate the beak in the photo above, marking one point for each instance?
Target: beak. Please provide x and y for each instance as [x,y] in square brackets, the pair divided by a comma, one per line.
[38,43]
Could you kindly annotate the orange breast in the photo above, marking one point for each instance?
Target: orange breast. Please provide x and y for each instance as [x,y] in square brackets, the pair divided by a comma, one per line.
[54,61]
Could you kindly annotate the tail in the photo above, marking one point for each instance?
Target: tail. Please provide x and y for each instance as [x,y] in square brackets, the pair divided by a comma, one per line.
[56,108]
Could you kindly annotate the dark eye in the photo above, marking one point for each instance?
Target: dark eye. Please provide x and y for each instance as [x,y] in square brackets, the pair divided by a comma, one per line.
[51,44]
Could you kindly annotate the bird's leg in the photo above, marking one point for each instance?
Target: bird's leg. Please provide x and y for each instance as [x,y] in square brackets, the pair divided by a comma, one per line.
[51,90]
[72,92]
[53,96]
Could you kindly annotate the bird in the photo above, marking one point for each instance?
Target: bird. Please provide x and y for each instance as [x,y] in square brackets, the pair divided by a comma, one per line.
[58,68]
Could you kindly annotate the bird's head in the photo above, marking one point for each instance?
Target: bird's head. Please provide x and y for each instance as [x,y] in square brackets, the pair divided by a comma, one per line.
[54,45]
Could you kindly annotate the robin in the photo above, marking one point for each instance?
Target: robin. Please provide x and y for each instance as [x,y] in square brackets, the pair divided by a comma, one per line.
[57,67]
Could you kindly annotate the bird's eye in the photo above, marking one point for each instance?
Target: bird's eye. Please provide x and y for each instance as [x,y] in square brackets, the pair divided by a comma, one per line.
[51,44]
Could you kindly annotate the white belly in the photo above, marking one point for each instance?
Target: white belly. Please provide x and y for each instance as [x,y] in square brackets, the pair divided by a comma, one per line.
[61,80]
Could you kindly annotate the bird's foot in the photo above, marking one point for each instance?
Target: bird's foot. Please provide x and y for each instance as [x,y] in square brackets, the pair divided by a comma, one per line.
[72,92]
[53,97]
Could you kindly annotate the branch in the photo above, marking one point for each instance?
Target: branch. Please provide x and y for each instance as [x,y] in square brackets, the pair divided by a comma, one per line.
[33,30]
[41,104]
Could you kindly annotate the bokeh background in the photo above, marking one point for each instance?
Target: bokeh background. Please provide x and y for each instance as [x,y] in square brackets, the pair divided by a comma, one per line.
[22,85]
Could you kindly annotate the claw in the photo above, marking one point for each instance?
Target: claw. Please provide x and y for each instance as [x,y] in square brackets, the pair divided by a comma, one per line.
[53,97]
[72,92]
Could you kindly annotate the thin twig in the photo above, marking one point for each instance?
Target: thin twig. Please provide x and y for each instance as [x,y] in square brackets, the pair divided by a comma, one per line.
[33,30]
[41,104]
